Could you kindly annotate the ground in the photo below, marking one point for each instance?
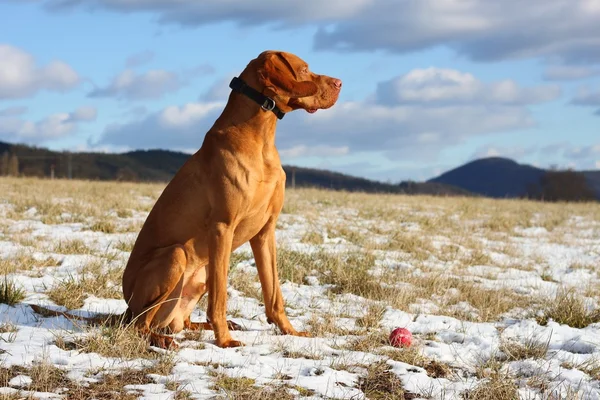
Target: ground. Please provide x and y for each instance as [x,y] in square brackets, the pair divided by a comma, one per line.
[500,295]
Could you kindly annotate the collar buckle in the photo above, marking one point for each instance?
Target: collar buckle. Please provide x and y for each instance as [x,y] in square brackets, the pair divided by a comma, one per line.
[268,104]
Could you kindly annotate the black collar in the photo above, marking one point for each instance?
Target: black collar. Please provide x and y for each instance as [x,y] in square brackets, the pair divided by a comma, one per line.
[265,102]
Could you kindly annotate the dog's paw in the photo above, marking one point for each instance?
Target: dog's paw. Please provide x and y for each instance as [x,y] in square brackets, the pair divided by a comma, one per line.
[230,343]
[234,327]
[302,334]
[163,342]
[293,332]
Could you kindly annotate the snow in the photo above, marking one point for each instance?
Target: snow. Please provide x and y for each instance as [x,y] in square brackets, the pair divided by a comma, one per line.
[460,343]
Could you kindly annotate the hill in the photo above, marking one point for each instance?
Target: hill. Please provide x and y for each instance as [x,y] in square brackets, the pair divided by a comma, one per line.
[161,165]
[501,177]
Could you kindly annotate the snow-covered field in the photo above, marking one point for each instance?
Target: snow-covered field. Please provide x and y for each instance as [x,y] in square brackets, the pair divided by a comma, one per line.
[501,296]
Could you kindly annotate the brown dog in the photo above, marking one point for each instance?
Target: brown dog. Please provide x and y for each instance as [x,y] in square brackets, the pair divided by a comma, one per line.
[230,192]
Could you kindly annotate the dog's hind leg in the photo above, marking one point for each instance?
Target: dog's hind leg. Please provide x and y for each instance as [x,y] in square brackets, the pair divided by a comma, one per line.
[156,290]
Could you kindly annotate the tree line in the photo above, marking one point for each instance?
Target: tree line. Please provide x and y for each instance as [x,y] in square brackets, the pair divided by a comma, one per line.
[554,185]
[562,185]
[9,164]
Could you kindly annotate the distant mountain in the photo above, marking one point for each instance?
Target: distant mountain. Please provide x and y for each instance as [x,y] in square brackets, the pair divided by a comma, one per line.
[501,177]
[161,165]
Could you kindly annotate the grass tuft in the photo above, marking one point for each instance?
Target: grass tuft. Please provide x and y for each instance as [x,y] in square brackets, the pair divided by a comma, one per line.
[10,293]
[119,341]
[380,383]
[531,348]
[240,388]
[104,226]
[568,308]
[94,279]
[499,386]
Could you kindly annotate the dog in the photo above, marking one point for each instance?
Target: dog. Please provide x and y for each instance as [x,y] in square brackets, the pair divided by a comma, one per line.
[229,192]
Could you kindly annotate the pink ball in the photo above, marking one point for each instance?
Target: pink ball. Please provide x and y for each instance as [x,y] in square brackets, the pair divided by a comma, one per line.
[400,337]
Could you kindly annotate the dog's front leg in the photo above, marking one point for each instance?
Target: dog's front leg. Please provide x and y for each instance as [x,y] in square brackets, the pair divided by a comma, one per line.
[219,249]
[263,247]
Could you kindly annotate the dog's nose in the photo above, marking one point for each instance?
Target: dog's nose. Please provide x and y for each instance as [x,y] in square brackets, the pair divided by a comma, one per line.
[337,83]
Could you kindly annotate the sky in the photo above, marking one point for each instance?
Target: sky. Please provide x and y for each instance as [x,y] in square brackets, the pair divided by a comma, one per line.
[427,84]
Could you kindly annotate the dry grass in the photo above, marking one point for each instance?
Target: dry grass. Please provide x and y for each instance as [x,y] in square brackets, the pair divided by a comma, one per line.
[111,340]
[237,257]
[95,278]
[413,244]
[568,308]
[367,343]
[24,261]
[347,273]
[590,367]
[293,265]
[8,327]
[80,199]
[434,241]
[351,235]
[326,324]
[125,246]
[10,292]
[372,316]
[380,383]
[247,284]
[50,379]
[73,246]
[489,303]
[240,388]
[500,386]
[104,226]
[532,347]
[45,376]
[312,238]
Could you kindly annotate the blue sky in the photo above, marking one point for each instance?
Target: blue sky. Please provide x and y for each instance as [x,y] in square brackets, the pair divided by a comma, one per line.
[428,84]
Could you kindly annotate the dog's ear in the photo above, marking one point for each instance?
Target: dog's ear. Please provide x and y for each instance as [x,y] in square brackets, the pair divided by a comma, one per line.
[279,76]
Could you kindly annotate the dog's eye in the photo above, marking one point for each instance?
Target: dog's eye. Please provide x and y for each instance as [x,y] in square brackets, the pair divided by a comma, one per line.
[304,70]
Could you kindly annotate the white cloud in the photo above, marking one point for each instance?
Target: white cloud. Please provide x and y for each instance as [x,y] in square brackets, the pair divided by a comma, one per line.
[151,84]
[314,151]
[194,13]
[83,114]
[402,131]
[52,127]
[587,97]
[569,72]
[558,30]
[135,60]
[219,91]
[513,152]
[20,76]
[448,86]
[174,127]
[13,111]
[577,156]
[583,152]
[132,86]
[416,116]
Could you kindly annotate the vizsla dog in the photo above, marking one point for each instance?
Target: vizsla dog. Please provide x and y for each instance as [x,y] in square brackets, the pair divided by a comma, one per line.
[229,192]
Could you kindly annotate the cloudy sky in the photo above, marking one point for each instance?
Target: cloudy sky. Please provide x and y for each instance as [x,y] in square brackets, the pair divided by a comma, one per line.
[428,84]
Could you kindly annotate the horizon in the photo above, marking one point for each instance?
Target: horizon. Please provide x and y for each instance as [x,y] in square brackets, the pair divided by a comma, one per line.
[388,182]
[416,101]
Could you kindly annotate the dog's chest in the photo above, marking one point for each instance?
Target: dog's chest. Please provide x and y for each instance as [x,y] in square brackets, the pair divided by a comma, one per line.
[265,204]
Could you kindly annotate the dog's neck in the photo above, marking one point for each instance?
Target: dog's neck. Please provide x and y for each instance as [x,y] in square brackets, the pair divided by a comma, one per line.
[246,116]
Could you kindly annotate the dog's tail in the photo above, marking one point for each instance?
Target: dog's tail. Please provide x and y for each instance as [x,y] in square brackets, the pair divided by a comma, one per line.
[100,319]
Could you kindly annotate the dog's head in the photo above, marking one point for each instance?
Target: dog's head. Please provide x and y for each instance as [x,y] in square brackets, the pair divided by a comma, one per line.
[286,78]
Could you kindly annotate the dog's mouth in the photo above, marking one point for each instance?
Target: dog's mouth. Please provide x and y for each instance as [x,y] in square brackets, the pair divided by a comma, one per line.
[311,110]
